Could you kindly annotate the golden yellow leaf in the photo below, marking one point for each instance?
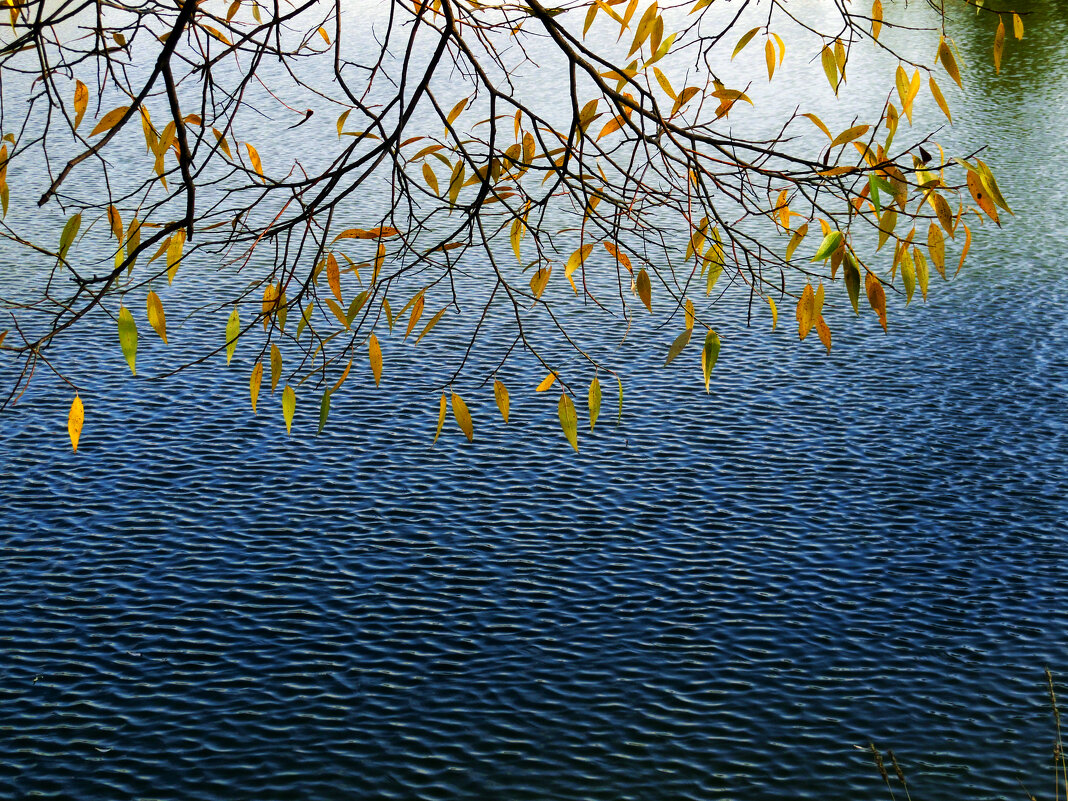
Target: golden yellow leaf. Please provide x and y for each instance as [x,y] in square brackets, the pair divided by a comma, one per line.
[774,313]
[417,312]
[546,382]
[746,38]
[568,419]
[769,57]
[109,120]
[981,196]
[936,246]
[289,406]
[375,355]
[81,103]
[75,420]
[824,332]
[945,55]
[806,311]
[617,253]
[594,401]
[500,393]
[431,179]
[1017,26]
[156,318]
[876,297]
[463,417]
[940,99]
[254,157]
[999,44]
[849,135]
[830,67]
[441,417]
[876,19]
[540,280]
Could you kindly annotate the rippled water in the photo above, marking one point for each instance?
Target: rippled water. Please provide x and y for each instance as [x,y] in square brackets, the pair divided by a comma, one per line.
[717,598]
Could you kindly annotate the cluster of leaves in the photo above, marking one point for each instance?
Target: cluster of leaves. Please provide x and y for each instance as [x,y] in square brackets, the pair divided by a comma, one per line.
[434,119]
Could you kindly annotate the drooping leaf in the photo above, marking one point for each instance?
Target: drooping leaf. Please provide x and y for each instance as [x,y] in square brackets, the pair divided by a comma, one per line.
[923,275]
[463,417]
[324,412]
[254,382]
[539,280]
[981,196]
[936,246]
[276,366]
[565,410]
[851,275]
[594,401]
[441,417]
[940,99]
[500,393]
[375,355]
[746,38]
[254,157]
[417,312]
[382,232]
[830,67]
[823,332]
[709,357]
[908,275]
[70,230]
[876,19]
[617,253]
[81,103]
[233,328]
[156,318]
[876,297]
[433,321]
[945,55]
[128,338]
[174,246]
[681,341]
[774,313]
[806,311]
[75,420]
[289,405]
[999,44]
[645,289]
[333,276]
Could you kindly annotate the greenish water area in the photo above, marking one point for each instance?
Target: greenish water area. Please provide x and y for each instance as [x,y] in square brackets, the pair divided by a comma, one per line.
[721,596]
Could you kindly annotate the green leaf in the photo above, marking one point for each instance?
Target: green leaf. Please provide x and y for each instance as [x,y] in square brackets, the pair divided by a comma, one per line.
[738,48]
[568,419]
[289,405]
[828,246]
[66,239]
[324,411]
[128,338]
[233,328]
[681,341]
[620,382]
[875,195]
[709,356]
[594,401]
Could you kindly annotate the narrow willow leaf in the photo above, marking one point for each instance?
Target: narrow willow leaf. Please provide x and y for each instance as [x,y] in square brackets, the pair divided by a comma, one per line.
[746,38]
[709,357]
[174,246]
[254,382]
[908,276]
[819,124]
[665,84]
[128,338]
[795,240]
[829,245]
[324,412]
[981,196]
[923,275]
[375,355]
[66,239]
[849,135]
[109,120]
[594,401]
[81,103]
[75,420]
[457,110]
[823,332]
[431,179]
[254,157]
[333,276]
[876,19]
[516,236]
[774,313]
[233,328]
[289,405]
[539,280]
[463,417]
[431,324]
[830,67]
[887,224]
[500,393]
[617,253]
[577,259]
[681,341]
[940,99]
[945,214]
[991,185]
[817,303]
[851,275]
[565,410]
[546,382]
[133,241]
[769,58]
[806,311]
[417,312]
[276,366]
[645,289]
[1017,26]
[936,246]
[156,318]
[945,55]
[382,232]
[876,297]
[441,417]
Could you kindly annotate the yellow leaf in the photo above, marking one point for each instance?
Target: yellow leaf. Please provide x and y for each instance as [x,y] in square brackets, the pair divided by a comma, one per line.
[500,392]
[276,366]
[782,47]
[945,55]
[964,250]
[75,419]
[819,124]
[684,97]
[665,84]
[945,215]
[577,258]
[518,229]
[644,28]
[806,311]
[746,38]
[849,135]
[233,328]
[174,246]
[463,417]
[830,67]
[774,313]
[417,312]
[109,120]
[1017,26]
[681,341]
[156,318]
[709,357]
[456,111]
[254,382]
[568,419]
[540,280]
[375,355]
[936,245]
[611,126]
[431,324]
[689,314]
[769,57]
[431,179]
[645,289]
[254,157]
[128,338]
[940,99]
[81,103]
[876,297]
[441,417]
[341,380]
[546,382]
[824,333]
[289,405]
[66,238]
[876,19]
[324,34]
[981,196]
[594,401]
[383,232]
[617,253]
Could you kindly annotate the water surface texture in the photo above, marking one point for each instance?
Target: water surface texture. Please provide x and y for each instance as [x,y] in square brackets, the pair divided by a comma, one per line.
[718,597]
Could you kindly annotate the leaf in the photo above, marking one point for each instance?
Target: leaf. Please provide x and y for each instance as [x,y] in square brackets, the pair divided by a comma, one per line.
[819,124]
[81,103]
[991,185]
[441,417]
[922,273]
[417,312]
[617,253]
[456,182]
[908,275]
[936,246]
[851,275]
[806,311]
[887,224]
[565,409]
[254,157]
[540,280]
[324,412]
[774,313]
[577,259]
[375,355]
[333,276]
[500,393]
[75,419]
[876,19]
[109,120]
[823,332]
[276,366]
[382,232]
[738,48]
[940,99]
[769,57]
[431,179]
[849,135]
[876,297]
[594,401]
[128,338]
[620,382]
[685,96]
[1017,26]
[830,67]
[431,324]
[681,341]
[174,246]
[830,244]
[665,84]
[254,382]
[964,250]
[456,111]
[463,417]
[981,196]
[945,55]
[709,356]
[999,44]
[546,382]
[795,240]
[70,230]
[645,289]
[156,318]
[289,405]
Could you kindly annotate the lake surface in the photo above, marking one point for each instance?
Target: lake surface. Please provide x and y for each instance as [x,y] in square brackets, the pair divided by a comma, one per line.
[718,597]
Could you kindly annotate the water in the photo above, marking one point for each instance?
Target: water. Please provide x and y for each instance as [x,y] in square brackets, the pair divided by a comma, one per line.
[718,597]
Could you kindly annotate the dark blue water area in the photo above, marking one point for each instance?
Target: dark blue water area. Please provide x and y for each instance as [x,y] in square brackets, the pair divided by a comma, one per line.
[719,596]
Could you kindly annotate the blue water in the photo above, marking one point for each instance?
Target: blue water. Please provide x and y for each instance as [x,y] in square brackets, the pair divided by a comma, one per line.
[720,596]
